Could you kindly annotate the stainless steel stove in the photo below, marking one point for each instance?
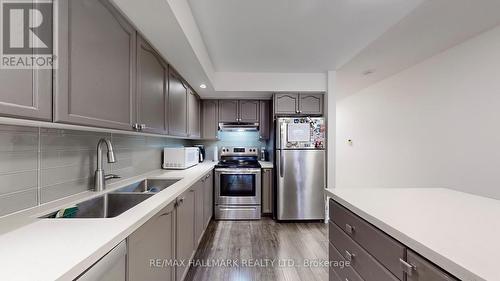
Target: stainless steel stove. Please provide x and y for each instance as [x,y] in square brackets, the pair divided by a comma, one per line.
[238,184]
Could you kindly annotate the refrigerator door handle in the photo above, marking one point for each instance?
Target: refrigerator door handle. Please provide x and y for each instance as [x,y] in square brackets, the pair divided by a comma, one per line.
[282,146]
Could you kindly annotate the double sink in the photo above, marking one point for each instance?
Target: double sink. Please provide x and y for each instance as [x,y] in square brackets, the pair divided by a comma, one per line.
[114,203]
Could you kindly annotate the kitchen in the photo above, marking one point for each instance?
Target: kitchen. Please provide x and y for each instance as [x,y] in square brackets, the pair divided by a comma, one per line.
[247,140]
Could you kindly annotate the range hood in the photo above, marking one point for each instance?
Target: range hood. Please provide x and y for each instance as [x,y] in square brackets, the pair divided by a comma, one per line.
[238,127]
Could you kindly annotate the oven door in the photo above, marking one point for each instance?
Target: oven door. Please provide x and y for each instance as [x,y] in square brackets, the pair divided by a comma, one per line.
[238,186]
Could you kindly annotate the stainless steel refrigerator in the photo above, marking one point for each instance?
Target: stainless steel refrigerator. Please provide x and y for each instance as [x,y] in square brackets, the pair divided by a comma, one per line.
[300,164]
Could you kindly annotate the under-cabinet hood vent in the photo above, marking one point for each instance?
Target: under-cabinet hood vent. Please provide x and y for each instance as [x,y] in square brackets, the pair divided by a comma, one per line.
[238,127]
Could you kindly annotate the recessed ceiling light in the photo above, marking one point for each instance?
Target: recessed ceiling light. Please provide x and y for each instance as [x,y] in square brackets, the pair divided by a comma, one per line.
[203,86]
[368,72]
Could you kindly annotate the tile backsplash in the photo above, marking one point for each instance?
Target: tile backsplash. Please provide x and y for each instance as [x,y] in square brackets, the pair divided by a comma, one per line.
[228,139]
[39,165]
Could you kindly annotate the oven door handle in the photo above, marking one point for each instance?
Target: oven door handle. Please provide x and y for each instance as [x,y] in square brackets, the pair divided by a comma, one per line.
[237,171]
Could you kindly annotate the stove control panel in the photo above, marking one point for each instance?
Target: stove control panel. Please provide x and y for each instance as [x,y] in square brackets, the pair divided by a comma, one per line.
[239,151]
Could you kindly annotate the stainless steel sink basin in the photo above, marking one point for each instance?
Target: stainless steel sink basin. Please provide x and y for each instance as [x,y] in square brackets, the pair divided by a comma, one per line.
[147,186]
[106,206]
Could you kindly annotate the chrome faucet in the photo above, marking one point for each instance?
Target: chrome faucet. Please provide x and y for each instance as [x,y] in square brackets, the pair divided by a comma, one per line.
[99,177]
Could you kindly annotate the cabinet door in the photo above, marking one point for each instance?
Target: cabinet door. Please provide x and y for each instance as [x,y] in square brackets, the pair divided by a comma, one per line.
[95,79]
[424,270]
[153,240]
[151,88]
[177,105]
[193,114]
[199,222]
[210,119]
[286,103]
[265,119]
[208,199]
[228,111]
[267,191]
[249,111]
[311,104]
[185,231]
[27,93]
[111,267]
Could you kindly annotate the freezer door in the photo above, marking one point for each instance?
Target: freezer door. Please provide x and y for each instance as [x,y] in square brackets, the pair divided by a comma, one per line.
[300,184]
[300,133]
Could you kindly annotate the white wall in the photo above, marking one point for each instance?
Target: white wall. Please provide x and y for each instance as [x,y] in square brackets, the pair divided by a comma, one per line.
[436,124]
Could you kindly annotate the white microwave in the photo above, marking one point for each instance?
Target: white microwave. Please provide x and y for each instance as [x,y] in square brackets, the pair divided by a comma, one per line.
[179,158]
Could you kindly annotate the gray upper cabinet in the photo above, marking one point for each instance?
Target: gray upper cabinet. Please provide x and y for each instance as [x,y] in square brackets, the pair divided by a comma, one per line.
[286,103]
[249,110]
[177,105]
[295,103]
[152,76]
[27,93]
[311,104]
[210,119]
[194,130]
[185,230]
[153,240]
[95,79]
[228,111]
[265,119]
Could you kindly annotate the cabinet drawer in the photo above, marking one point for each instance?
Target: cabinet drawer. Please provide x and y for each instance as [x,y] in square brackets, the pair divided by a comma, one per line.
[424,270]
[365,264]
[338,273]
[384,248]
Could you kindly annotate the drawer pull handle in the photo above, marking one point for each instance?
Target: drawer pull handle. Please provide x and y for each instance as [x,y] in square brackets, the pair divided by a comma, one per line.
[348,256]
[407,267]
[349,229]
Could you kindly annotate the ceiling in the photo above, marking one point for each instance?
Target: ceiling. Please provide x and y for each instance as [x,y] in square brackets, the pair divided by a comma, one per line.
[292,35]
[250,49]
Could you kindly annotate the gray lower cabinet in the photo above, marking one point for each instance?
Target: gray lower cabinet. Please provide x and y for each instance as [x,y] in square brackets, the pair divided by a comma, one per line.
[265,119]
[267,191]
[422,270]
[152,74]
[208,199]
[111,267]
[177,105]
[153,243]
[373,254]
[341,271]
[385,249]
[199,222]
[361,261]
[248,111]
[210,119]
[194,130]
[298,103]
[228,111]
[185,231]
[95,78]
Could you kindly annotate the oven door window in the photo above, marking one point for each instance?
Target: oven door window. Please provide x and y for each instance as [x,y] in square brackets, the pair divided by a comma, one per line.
[237,185]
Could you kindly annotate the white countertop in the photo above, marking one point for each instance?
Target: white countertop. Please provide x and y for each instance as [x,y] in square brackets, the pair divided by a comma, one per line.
[459,232]
[266,164]
[61,249]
